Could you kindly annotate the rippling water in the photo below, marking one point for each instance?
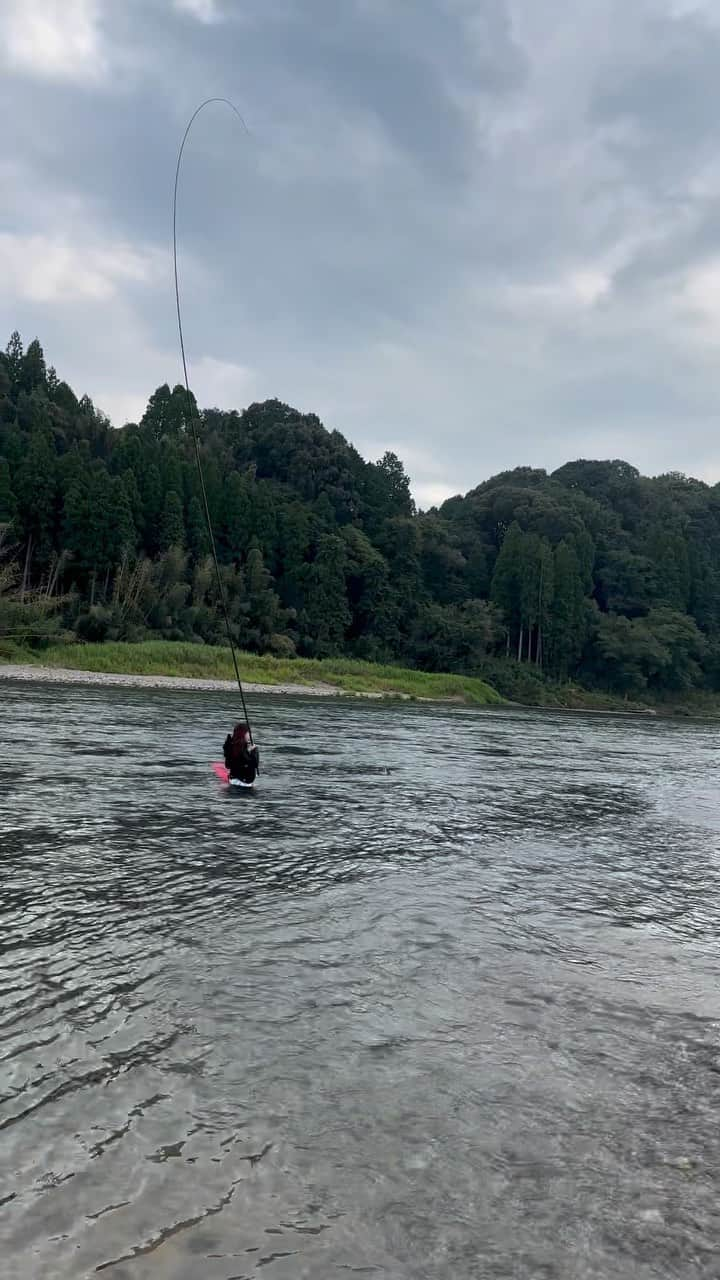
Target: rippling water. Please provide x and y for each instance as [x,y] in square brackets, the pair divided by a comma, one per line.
[439,1000]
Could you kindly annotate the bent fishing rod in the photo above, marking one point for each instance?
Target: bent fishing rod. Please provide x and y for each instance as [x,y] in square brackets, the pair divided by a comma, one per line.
[192,411]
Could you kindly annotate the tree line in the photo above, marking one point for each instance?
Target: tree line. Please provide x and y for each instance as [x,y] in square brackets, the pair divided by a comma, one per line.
[593,573]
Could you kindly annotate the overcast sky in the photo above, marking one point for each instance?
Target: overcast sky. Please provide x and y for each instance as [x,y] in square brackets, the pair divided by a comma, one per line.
[483,233]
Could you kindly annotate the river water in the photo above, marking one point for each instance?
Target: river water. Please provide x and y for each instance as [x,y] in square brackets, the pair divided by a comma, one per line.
[441,999]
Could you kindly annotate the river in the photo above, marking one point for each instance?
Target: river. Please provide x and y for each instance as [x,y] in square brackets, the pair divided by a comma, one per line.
[440,999]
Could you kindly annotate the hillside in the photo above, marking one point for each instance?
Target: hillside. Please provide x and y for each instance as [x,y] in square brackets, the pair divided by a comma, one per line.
[593,574]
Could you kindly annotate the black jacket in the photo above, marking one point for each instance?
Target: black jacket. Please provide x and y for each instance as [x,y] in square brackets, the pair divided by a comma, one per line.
[241,761]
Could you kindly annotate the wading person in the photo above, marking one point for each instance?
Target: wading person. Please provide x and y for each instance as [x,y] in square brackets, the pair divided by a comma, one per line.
[242,759]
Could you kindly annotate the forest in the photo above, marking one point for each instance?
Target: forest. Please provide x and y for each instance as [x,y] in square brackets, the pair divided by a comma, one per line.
[593,574]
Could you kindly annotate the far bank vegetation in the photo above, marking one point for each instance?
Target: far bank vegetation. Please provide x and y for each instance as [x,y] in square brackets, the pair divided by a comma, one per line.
[593,575]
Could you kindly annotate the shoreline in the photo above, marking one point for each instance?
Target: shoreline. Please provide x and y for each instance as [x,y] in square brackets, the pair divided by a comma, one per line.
[30,673]
[194,666]
[70,675]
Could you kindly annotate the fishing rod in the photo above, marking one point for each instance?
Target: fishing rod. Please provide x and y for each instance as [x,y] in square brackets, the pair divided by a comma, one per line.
[192,405]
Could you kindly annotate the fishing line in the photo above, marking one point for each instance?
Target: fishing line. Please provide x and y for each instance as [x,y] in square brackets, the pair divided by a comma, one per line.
[191,404]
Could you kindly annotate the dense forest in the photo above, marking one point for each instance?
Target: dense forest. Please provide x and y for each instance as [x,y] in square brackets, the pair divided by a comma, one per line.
[593,573]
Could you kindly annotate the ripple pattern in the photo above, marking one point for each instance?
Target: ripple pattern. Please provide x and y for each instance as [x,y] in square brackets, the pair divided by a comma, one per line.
[439,1000]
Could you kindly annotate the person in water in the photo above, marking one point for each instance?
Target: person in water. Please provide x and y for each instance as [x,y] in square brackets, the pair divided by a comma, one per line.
[242,759]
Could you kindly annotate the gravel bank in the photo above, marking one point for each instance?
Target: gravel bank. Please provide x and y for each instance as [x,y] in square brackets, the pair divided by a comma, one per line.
[65,675]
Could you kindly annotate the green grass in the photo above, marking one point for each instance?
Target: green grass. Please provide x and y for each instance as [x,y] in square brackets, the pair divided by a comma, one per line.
[198,661]
[11,651]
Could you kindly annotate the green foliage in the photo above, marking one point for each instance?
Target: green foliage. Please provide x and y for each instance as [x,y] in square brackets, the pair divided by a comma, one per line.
[199,661]
[196,535]
[26,618]
[458,638]
[33,374]
[172,525]
[662,650]
[568,616]
[14,361]
[35,487]
[98,526]
[263,605]
[167,412]
[506,584]
[324,615]
[668,551]
[151,494]
[8,501]
[593,573]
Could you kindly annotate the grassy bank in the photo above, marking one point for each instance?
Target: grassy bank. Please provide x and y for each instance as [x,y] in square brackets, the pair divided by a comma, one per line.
[524,684]
[506,682]
[197,661]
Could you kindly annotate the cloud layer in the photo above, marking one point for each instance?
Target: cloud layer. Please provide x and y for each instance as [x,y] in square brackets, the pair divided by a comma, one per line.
[481,232]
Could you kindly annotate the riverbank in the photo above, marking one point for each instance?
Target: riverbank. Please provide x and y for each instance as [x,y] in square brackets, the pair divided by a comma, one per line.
[173,664]
[179,665]
[36,672]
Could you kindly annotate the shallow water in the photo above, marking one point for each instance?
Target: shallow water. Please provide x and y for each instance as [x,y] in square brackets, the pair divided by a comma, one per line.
[440,1000]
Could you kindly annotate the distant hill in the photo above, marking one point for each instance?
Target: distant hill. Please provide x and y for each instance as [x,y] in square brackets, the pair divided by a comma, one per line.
[593,573]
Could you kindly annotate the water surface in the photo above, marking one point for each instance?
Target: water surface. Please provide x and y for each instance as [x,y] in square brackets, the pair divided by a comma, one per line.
[440,1000]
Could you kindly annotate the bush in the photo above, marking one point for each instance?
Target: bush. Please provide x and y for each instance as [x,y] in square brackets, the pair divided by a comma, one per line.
[282,646]
[516,681]
[94,625]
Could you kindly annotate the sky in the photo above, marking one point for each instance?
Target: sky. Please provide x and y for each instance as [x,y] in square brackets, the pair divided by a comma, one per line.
[480,233]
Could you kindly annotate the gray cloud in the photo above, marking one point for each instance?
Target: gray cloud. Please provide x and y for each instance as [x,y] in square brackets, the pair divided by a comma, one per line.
[483,233]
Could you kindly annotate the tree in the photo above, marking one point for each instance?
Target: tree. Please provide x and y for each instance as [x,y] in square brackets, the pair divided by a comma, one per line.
[166,593]
[545,597]
[325,613]
[568,615]
[684,645]
[7,405]
[8,501]
[297,534]
[614,483]
[86,525]
[166,415]
[668,551]
[180,410]
[64,397]
[236,527]
[394,486]
[14,354]
[172,529]
[625,653]
[171,469]
[196,530]
[134,500]
[592,573]
[33,374]
[156,418]
[122,520]
[626,583]
[506,588]
[477,572]
[151,493]
[36,490]
[704,604]
[443,564]
[400,545]
[263,602]
[662,650]
[80,524]
[369,595]
[457,638]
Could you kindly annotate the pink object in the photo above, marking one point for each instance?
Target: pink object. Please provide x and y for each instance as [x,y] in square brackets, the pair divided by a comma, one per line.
[221,772]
